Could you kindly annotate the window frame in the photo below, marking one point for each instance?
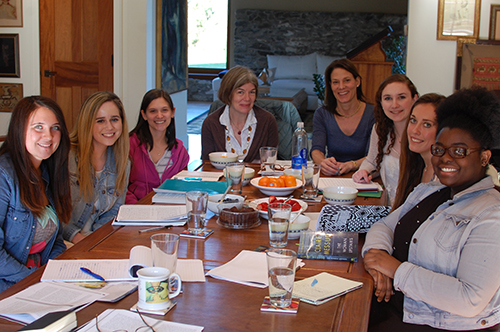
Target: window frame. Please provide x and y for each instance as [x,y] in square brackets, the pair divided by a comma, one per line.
[211,73]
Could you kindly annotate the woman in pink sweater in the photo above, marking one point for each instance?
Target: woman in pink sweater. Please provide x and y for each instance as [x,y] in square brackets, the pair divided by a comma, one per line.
[155,153]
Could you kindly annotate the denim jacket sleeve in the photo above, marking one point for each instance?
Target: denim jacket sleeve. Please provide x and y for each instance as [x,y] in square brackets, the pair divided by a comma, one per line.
[13,223]
[111,213]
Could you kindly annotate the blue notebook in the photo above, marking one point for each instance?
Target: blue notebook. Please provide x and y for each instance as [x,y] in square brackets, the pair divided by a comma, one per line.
[212,187]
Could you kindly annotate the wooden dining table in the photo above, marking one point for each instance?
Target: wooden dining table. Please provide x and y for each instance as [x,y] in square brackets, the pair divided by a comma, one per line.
[219,305]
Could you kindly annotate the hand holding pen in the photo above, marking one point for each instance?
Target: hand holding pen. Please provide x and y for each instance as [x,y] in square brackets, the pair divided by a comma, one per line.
[362,176]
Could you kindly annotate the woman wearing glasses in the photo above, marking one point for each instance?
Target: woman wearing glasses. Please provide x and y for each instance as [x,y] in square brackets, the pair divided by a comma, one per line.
[434,260]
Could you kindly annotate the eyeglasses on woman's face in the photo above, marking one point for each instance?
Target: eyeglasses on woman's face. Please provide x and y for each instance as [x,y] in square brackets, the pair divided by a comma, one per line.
[457,152]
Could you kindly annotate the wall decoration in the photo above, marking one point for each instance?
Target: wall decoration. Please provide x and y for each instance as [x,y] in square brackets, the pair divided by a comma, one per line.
[9,55]
[10,94]
[481,66]
[458,18]
[11,13]
[495,22]
[171,45]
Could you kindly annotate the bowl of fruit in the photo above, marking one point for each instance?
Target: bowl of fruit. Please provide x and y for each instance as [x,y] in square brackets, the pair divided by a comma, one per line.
[262,203]
[276,186]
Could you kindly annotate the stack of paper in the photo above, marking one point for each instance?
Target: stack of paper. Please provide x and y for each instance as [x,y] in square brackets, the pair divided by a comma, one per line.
[323,287]
[150,215]
[247,268]
[125,320]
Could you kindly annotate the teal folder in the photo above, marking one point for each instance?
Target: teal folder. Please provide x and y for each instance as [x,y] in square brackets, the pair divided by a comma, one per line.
[212,187]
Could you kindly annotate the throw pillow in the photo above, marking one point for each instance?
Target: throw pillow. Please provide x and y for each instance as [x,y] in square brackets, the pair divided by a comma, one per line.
[292,66]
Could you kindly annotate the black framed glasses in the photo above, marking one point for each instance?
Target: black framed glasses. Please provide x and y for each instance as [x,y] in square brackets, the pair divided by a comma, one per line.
[457,152]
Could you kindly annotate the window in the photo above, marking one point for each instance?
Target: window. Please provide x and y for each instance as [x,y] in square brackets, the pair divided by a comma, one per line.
[207,36]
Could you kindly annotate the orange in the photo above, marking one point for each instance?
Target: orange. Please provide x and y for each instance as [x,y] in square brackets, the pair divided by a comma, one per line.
[264,181]
[290,181]
[283,176]
[273,182]
[281,182]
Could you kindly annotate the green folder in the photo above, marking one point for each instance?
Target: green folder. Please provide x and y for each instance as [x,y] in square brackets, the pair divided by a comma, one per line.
[212,187]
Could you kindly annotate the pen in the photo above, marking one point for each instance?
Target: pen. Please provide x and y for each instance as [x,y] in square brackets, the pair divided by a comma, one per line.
[154,229]
[315,281]
[192,179]
[92,274]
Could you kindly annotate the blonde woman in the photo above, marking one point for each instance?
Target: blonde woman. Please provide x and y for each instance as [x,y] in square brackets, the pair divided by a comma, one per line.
[99,166]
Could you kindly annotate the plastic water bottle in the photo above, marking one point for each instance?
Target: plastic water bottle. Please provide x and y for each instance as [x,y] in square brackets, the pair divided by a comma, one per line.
[299,146]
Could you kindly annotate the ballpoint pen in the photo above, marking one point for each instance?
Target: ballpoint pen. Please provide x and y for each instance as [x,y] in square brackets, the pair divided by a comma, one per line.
[92,274]
[154,229]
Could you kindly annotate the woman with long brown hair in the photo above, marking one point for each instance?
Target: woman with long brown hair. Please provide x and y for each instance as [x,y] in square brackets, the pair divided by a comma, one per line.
[394,98]
[35,198]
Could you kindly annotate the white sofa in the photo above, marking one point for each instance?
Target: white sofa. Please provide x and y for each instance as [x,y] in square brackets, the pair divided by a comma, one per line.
[292,72]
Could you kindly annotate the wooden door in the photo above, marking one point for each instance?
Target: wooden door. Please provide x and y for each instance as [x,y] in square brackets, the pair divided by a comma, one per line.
[76,51]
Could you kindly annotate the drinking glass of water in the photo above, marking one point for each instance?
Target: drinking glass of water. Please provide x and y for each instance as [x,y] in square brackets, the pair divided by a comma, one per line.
[281,264]
[196,207]
[278,221]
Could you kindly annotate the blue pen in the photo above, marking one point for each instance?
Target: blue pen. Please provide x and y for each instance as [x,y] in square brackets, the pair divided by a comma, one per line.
[92,274]
[314,282]
[192,179]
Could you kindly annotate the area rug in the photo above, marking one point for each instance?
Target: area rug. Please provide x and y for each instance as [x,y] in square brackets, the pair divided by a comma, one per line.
[194,126]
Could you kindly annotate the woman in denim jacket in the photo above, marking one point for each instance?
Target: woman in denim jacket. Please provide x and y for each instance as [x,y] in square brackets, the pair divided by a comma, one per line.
[440,249]
[99,166]
[34,188]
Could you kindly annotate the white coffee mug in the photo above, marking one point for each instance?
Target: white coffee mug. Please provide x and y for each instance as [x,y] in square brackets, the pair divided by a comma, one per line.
[154,287]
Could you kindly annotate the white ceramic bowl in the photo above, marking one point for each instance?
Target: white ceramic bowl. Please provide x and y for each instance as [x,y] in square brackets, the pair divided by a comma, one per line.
[249,174]
[299,225]
[295,172]
[274,191]
[213,202]
[219,160]
[340,195]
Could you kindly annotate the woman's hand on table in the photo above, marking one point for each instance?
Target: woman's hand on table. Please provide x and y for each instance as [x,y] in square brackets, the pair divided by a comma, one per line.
[330,166]
[362,176]
[382,284]
[380,260]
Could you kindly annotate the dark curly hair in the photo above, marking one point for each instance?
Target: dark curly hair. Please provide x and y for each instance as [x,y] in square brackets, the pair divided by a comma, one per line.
[384,126]
[475,110]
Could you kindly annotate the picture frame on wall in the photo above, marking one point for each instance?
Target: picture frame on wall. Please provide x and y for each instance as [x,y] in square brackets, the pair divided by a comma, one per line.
[10,95]
[495,22]
[9,55]
[11,13]
[171,45]
[458,19]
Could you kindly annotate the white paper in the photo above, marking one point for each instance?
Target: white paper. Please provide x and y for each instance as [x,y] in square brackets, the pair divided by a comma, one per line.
[314,219]
[69,270]
[43,298]
[198,176]
[190,270]
[134,212]
[247,268]
[119,319]
[346,182]
[172,197]
[323,287]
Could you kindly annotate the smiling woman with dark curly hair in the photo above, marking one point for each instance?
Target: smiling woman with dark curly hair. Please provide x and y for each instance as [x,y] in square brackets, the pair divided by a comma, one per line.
[435,260]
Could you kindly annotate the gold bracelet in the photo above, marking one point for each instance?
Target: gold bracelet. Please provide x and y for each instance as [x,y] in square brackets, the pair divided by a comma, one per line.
[354,163]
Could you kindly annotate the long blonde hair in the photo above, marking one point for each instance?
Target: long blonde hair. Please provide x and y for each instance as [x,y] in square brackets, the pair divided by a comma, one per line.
[82,139]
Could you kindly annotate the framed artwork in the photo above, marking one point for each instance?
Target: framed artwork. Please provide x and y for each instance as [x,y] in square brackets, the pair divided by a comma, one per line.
[171,45]
[11,13]
[9,55]
[481,65]
[495,22]
[458,19]
[10,94]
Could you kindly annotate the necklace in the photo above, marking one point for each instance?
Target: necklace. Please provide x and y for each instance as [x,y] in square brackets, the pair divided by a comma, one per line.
[228,139]
[349,116]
